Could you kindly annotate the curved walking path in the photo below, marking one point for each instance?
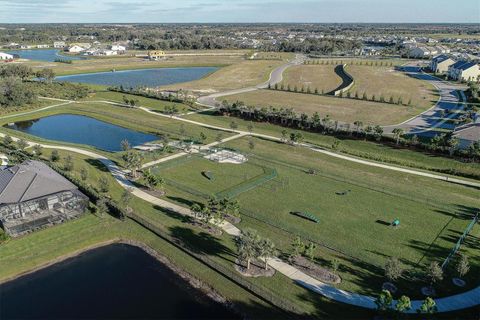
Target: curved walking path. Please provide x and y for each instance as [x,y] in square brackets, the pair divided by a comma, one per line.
[456,302]
[452,303]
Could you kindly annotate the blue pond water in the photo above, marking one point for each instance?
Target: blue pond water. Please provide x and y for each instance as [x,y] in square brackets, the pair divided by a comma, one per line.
[143,77]
[42,55]
[113,282]
[82,130]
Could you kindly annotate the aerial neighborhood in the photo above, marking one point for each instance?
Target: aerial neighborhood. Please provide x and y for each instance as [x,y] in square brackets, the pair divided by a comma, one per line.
[208,170]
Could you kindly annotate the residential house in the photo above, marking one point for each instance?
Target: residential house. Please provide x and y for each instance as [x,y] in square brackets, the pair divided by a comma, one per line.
[156,54]
[440,63]
[59,44]
[75,49]
[421,52]
[119,48]
[34,196]
[464,71]
[5,56]
[42,46]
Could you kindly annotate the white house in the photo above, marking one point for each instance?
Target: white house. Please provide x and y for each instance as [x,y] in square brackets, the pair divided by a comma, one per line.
[75,49]
[440,63]
[59,44]
[116,47]
[42,46]
[5,56]
[421,52]
[464,71]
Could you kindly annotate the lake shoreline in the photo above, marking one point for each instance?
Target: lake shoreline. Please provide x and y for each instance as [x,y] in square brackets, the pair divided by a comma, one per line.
[194,282]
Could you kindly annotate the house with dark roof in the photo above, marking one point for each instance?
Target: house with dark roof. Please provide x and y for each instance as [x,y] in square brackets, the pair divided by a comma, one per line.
[440,63]
[467,134]
[464,71]
[34,196]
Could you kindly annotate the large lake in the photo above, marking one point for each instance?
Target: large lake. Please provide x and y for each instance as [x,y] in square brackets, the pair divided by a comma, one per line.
[142,77]
[113,282]
[83,130]
[42,55]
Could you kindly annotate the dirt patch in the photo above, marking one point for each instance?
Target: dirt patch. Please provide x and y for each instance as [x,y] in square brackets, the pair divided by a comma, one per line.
[314,270]
[257,269]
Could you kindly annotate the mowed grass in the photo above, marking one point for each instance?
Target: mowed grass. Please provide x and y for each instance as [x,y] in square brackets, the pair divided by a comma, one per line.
[128,62]
[320,77]
[340,109]
[433,214]
[152,104]
[387,82]
[225,175]
[243,74]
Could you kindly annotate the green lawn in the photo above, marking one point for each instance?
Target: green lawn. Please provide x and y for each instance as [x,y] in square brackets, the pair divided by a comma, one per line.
[225,175]
[431,212]
[363,149]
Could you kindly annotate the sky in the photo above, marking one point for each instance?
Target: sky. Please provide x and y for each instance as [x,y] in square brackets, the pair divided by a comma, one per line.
[170,11]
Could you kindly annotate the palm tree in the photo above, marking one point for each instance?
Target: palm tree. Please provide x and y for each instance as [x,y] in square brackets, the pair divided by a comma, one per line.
[247,246]
[266,250]
[196,209]
[397,133]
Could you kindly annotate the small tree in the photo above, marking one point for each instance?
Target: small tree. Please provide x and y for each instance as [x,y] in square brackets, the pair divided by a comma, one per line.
[68,165]
[298,247]
[266,250]
[434,273]
[126,198]
[429,306]
[196,209]
[22,144]
[463,266]
[38,150]
[403,304]
[233,125]
[335,264]
[247,246]
[393,269]
[54,156]
[397,134]
[102,207]
[203,137]
[103,184]
[250,127]
[251,144]
[310,251]
[125,145]
[384,301]
[83,173]
[7,140]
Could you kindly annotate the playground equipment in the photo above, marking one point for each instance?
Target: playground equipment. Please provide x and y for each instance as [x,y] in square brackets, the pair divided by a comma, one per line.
[396,223]
[305,215]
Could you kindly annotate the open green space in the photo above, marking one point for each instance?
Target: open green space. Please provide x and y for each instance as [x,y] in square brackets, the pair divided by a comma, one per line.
[193,174]
[316,77]
[359,148]
[340,109]
[26,253]
[355,205]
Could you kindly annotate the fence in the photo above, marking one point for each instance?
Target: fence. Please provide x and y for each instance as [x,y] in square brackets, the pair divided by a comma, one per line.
[268,174]
[261,292]
[460,241]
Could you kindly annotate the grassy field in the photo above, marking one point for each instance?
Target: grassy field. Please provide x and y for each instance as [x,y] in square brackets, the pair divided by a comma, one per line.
[341,109]
[127,63]
[360,148]
[432,214]
[226,175]
[239,75]
[320,77]
[26,253]
[386,82]
[152,104]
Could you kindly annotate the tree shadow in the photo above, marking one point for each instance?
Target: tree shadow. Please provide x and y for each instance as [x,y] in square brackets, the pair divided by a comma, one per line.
[202,243]
[97,164]
[184,201]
